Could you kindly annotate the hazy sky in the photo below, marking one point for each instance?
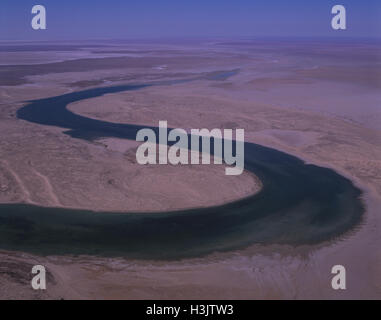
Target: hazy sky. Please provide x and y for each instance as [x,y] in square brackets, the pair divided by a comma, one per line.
[117,19]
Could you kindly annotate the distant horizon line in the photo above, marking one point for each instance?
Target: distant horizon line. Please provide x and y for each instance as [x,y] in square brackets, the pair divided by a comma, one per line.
[204,38]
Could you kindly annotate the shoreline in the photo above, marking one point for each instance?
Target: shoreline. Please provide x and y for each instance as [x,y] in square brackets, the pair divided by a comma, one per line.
[284,193]
[279,102]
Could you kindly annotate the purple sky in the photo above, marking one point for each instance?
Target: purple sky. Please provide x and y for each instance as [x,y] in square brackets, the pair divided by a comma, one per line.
[122,19]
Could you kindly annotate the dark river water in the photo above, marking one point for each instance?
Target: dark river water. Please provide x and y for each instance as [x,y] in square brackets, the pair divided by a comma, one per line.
[299,203]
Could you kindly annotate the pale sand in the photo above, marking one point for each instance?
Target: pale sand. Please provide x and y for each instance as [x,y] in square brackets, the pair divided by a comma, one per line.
[115,182]
[257,272]
[289,115]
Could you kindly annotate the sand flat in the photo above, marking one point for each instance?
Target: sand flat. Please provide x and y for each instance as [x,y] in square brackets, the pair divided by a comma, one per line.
[330,129]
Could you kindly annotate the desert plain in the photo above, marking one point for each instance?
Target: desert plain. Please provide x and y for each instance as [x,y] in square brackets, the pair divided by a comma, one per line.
[316,99]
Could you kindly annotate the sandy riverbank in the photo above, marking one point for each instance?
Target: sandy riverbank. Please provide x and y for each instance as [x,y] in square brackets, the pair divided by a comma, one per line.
[290,115]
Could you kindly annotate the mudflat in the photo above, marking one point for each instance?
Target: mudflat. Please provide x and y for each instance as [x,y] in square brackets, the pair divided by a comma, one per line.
[276,97]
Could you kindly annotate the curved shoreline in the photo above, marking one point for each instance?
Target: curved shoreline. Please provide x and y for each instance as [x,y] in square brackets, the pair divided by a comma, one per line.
[299,204]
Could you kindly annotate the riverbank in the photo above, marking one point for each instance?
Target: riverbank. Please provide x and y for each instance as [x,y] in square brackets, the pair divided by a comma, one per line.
[295,118]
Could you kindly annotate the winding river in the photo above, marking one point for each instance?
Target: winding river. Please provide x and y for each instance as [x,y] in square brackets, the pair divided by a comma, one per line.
[299,203]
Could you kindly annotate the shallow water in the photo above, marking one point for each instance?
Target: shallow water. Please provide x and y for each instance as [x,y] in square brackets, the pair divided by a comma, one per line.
[299,203]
